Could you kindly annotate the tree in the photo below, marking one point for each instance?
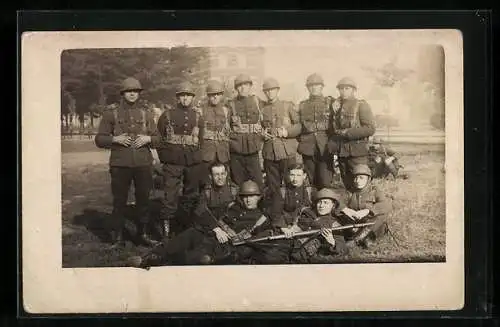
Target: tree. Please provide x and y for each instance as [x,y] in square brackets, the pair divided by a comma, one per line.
[93,76]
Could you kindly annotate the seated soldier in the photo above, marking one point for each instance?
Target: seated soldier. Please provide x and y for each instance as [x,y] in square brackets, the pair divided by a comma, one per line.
[322,247]
[206,244]
[383,162]
[365,203]
[284,208]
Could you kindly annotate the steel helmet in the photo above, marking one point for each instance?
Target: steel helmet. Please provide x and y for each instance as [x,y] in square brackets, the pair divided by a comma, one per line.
[326,193]
[130,84]
[249,188]
[314,79]
[270,83]
[377,140]
[362,169]
[184,88]
[347,81]
[214,87]
[242,79]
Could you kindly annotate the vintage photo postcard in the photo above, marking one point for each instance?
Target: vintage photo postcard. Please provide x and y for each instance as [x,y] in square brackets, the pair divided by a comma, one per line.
[242,171]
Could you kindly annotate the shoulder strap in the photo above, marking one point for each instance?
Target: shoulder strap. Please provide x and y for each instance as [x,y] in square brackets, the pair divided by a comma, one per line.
[257,103]
[355,115]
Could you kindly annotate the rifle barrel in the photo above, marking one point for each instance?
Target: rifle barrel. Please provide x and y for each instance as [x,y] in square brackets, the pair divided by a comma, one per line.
[305,233]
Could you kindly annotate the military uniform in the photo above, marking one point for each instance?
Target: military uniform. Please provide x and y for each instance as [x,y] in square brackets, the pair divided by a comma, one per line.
[316,249]
[216,132]
[279,152]
[199,245]
[181,129]
[353,124]
[315,118]
[286,205]
[370,197]
[128,163]
[246,138]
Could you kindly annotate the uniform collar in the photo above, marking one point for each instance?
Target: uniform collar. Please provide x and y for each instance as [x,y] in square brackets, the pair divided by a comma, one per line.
[127,105]
[276,100]
[316,97]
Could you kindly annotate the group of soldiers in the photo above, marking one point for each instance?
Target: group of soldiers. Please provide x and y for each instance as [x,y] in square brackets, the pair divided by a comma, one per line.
[210,158]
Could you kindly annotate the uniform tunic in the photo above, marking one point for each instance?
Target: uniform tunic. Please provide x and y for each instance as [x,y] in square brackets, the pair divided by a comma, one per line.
[217,200]
[370,197]
[285,210]
[216,143]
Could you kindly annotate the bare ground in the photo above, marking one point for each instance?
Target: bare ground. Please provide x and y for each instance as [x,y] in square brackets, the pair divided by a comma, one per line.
[417,222]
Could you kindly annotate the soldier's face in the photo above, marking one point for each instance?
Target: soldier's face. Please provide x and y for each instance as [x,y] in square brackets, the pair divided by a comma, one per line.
[346,92]
[185,99]
[315,89]
[324,206]
[244,89]
[360,181]
[214,99]
[219,176]
[272,94]
[297,177]
[131,96]
[251,201]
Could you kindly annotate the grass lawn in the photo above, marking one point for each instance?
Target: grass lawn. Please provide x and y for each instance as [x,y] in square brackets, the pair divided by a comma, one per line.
[417,222]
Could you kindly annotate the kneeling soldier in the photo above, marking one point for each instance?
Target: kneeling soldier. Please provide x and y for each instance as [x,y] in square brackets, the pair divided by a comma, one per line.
[242,220]
[366,203]
[383,162]
[327,246]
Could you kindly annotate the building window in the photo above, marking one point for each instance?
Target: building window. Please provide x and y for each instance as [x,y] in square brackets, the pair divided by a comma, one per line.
[232,61]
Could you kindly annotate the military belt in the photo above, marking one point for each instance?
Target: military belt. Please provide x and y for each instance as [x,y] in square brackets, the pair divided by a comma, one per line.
[182,139]
[215,135]
[248,128]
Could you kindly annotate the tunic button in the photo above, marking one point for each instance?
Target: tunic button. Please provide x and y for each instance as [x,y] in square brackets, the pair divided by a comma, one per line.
[185,124]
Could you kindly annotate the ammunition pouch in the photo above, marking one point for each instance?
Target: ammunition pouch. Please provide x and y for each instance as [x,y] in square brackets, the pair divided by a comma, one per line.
[182,139]
[248,128]
[218,136]
[312,127]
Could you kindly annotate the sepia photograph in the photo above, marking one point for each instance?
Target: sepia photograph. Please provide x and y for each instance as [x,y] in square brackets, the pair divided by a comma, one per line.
[227,155]
[326,149]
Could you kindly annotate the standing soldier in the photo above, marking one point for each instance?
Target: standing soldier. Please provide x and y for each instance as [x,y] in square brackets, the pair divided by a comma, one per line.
[281,127]
[353,124]
[315,118]
[247,138]
[215,147]
[129,131]
[181,128]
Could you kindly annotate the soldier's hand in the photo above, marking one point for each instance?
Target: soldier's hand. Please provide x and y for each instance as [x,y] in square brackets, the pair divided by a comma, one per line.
[349,212]
[267,135]
[362,213]
[122,139]
[141,140]
[328,235]
[221,235]
[288,232]
[282,132]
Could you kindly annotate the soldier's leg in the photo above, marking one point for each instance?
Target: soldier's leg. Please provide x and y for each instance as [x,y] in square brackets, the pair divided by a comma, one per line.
[238,170]
[324,167]
[121,178]
[253,168]
[273,176]
[143,181]
[192,177]
[284,165]
[172,178]
[205,174]
[310,168]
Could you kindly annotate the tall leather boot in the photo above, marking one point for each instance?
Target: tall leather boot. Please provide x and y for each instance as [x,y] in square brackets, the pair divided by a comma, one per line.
[117,238]
[145,237]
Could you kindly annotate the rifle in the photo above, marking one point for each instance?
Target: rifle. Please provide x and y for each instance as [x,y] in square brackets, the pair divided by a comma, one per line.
[300,234]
